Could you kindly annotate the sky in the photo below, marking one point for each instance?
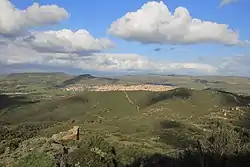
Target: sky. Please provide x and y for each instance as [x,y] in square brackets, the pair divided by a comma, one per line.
[106,36]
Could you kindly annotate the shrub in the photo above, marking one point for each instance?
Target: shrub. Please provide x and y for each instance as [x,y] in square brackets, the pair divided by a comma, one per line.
[92,151]
[36,159]
[224,141]
[12,144]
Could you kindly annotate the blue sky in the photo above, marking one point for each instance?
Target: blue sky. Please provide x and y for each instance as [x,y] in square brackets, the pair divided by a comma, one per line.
[97,16]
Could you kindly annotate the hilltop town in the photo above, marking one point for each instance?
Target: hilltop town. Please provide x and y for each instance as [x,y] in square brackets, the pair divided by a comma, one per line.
[120,87]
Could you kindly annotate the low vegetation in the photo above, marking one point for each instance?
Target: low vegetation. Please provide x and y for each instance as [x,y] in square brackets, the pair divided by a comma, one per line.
[180,127]
[224,147]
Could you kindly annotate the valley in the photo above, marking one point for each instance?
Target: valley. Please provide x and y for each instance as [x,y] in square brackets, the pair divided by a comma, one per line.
[138,116]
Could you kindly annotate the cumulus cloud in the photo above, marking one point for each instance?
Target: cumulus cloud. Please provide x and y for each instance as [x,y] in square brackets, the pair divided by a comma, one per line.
[33,67]
[122,61]
[131,62]
[14,21]
[66,41]
[226,2]
[70,50]
[162,26]
[235,65]
[205,68]
[11,54]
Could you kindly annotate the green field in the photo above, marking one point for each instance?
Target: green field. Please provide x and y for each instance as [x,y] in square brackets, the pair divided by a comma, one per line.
[161,124]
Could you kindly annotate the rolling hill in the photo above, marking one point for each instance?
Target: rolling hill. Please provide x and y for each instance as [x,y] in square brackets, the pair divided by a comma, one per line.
[88,79]
[136,123]
[117,108]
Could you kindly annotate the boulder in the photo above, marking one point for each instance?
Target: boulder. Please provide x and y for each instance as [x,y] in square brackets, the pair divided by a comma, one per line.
[72,134]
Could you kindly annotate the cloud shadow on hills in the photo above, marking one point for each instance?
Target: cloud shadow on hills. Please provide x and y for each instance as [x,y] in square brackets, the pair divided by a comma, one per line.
[9,102]
[175,134]
[192,159]
[154,97]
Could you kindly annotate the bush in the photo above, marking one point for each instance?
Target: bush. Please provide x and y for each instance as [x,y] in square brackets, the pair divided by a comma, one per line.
[129,153]
[224,141]
[91,151]
[12,144]
[224,148]
[36,159]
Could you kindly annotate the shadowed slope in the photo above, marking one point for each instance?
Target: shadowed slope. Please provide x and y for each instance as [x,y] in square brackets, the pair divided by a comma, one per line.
[207,96]
[8,102]
[180,101]
[88,79]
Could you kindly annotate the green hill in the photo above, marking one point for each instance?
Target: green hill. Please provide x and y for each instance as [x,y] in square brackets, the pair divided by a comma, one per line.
[134,122]
[114,109]
[181,101]
[28,82]
[88,79]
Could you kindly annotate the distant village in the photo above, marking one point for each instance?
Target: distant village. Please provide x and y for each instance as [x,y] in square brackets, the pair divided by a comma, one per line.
[119,87]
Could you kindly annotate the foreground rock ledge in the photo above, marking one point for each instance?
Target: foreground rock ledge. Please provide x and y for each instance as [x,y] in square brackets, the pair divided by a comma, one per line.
[72,134]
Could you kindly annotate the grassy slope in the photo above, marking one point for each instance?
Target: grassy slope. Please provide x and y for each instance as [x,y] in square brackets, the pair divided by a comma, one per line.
[228,83]
[38,82]
[88,79]
[31,82]
[166,121]
[181,101]
[177,117]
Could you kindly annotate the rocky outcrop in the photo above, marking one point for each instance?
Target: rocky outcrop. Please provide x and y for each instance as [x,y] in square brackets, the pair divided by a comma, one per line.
[72,134]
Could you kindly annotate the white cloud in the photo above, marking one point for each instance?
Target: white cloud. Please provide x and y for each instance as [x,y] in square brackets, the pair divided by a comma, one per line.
[17,55]
[66,41]
[205,68]
[154,23]
[235,65]
[226,2]
[122,61]
[12,54]
[14,21]
[132,62]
